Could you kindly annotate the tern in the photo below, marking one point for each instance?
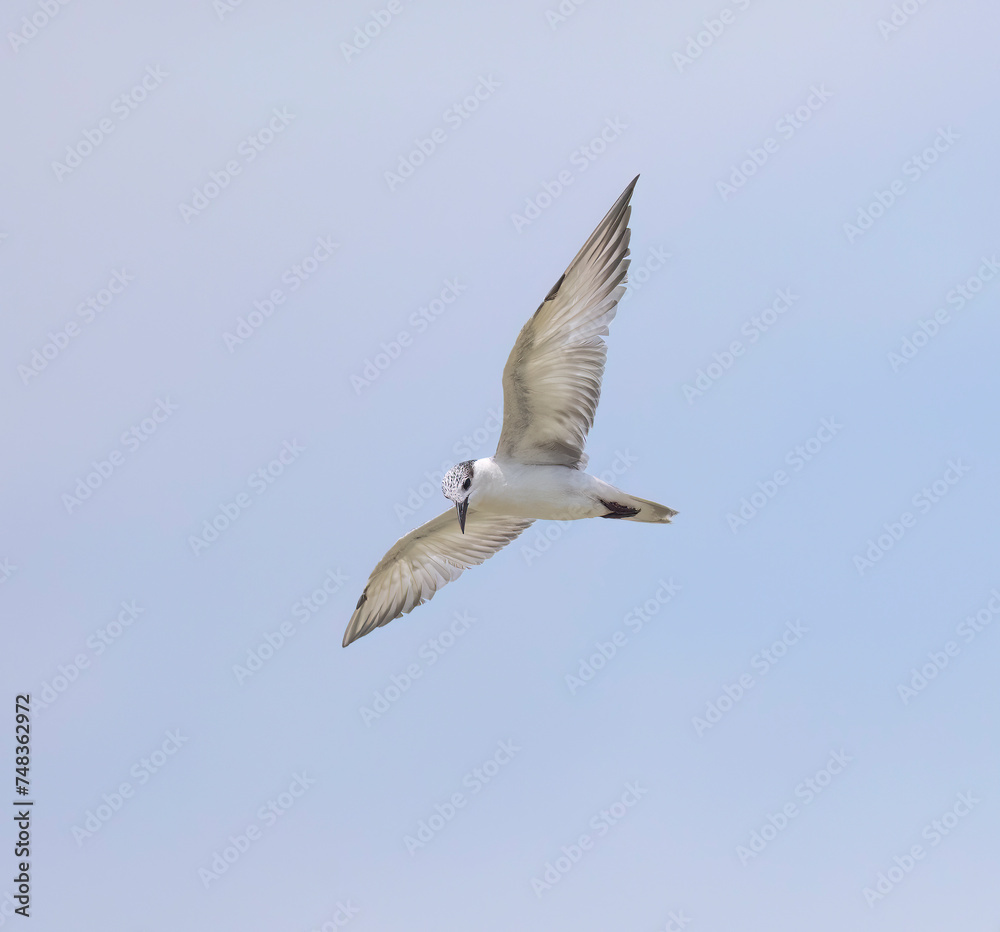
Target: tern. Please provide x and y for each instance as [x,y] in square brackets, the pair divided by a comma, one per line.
[551,387]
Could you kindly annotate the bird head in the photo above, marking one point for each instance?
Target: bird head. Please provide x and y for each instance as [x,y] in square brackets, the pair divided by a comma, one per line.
[457,487]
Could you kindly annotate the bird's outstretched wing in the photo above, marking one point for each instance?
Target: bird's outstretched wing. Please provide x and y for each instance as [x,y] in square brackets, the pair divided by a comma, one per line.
[426,559]
[552,380]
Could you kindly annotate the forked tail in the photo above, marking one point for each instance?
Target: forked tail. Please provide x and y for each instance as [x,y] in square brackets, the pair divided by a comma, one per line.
[632,508]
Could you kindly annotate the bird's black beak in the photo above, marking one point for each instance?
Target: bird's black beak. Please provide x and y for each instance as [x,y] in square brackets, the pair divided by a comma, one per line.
[462,507]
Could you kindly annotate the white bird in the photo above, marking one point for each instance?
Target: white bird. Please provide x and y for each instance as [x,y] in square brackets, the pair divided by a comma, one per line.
[551,387]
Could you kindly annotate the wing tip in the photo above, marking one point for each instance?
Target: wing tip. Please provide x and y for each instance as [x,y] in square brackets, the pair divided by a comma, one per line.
[351,634]
[616,218]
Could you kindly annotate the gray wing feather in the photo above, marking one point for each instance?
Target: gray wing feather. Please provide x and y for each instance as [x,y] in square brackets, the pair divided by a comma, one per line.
[552,380]
[423,561]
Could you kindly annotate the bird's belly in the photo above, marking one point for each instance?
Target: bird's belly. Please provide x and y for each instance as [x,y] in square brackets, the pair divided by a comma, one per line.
[553,493]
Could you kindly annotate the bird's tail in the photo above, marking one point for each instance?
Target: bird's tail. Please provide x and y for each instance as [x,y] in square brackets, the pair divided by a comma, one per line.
[632,508]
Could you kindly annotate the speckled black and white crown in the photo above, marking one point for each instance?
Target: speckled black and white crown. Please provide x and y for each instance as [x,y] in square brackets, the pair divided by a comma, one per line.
[451,485]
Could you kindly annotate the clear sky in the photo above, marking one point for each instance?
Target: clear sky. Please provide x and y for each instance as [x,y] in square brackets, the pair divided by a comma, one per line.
[261,268]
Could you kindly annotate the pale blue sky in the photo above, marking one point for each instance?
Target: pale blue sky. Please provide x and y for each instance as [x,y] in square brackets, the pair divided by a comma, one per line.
[755,702]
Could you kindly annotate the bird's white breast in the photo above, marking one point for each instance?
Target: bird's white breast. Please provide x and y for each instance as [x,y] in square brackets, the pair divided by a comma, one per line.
[555,493]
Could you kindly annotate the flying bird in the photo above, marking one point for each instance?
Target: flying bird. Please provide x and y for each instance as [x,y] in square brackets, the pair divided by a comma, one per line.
[551,387]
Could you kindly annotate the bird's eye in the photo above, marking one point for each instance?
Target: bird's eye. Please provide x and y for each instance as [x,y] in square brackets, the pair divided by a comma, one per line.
[466,484]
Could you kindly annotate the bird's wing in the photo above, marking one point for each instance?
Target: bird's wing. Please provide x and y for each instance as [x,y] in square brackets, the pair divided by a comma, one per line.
[552,380]
[426,559]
